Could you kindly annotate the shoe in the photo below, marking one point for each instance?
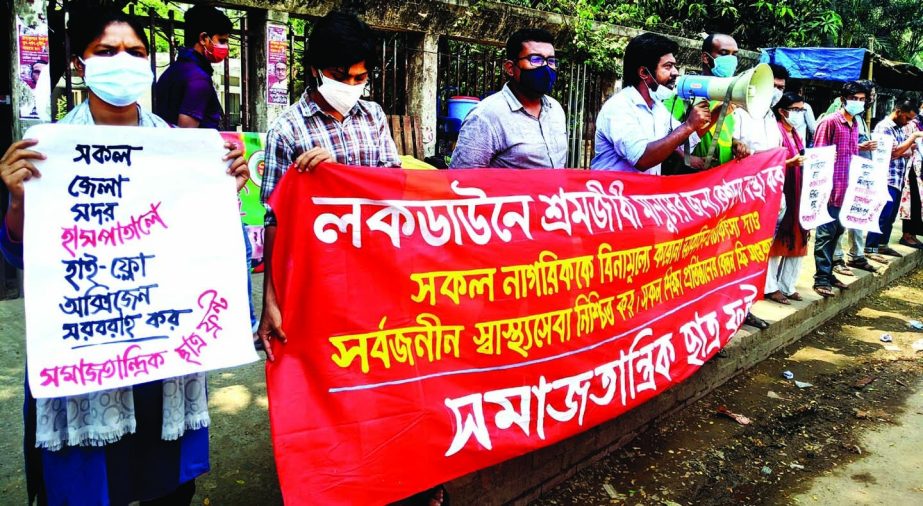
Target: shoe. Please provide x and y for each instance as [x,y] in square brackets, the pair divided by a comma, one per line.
[916,245]
[878,258]
[885,250]
[755,321]
[862,265]
[842,270]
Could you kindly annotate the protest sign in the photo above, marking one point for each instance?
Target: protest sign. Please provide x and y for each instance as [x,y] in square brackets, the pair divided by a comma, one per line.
[134,259]
[816,185]
[439,322]
[882,158]
[864,201]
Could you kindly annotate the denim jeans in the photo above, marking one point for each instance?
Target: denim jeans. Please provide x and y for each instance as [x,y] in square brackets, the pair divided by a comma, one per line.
[249,250]
[855,239]
[885,222]
[825,239]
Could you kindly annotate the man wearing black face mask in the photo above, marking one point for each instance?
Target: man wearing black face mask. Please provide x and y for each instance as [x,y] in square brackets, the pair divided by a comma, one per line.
[519,127]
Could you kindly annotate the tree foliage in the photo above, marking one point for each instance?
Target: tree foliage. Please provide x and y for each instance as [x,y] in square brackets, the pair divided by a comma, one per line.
[894,26]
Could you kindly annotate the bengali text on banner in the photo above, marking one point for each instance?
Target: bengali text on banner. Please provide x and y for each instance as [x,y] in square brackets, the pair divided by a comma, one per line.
[439,322]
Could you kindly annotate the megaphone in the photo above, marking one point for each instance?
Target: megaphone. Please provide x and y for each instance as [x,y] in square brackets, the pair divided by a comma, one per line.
[751,90]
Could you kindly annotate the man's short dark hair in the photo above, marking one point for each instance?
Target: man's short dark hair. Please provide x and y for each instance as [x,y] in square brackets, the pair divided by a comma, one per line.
[520,37]
[850,88]
[339,40]
[708,45]
[205,19]
[778,71]
[907,104]
[645,50]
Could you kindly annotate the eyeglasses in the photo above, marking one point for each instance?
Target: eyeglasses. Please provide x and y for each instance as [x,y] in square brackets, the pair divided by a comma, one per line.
[537,60]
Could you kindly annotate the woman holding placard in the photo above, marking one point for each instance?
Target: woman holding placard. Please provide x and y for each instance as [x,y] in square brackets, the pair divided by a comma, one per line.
[144,443]
[790,245]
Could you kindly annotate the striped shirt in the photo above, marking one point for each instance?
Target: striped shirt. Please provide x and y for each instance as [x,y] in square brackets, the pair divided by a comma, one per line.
[898,165]
[834,130]
[363,139]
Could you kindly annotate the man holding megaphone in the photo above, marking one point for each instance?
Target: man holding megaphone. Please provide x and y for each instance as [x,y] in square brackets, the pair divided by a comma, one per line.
[634,131]
[719,59]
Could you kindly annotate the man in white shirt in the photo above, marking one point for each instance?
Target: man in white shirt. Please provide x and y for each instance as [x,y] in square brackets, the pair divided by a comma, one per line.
[634,131]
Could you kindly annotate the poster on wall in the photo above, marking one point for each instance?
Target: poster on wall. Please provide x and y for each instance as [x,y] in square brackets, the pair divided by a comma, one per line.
[35,88]
[276,65]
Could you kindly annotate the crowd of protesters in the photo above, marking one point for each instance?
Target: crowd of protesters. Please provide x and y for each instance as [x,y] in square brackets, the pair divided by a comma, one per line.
[75,455]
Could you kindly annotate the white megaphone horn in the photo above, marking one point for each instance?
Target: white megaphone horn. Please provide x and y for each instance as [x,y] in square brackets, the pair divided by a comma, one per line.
[751,90]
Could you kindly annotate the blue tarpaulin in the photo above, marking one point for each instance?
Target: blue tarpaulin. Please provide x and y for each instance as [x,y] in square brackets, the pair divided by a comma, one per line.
[818,63]
[844,64]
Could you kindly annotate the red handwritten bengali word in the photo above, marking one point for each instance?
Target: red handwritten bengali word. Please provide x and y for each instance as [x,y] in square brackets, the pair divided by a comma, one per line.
[120,367]
[209,324]
[74,238]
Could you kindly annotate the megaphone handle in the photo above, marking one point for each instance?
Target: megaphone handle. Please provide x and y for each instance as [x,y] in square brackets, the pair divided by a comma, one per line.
[720,124]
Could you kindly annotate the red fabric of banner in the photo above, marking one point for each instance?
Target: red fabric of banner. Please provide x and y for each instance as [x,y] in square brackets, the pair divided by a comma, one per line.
[440,322]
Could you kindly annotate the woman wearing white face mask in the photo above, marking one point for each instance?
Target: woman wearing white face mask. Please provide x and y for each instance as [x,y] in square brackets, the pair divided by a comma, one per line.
[143,443]
[790,244]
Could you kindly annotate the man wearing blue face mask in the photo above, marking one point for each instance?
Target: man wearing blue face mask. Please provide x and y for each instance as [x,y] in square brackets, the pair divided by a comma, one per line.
[634,131]
[719,59]
[519,127]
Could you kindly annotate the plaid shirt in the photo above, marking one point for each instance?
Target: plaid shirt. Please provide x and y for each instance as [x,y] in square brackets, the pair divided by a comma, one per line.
[834,130]
[362,139]
[898,165]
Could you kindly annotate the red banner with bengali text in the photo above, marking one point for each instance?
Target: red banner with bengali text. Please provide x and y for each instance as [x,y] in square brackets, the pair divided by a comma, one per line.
[440,322]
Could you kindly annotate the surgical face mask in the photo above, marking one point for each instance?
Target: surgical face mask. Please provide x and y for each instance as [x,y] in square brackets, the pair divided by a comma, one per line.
[217,53]
[118,80]
[854,107]
[796,119]
[724,65]
[776,96]
[341,96]
[662,92]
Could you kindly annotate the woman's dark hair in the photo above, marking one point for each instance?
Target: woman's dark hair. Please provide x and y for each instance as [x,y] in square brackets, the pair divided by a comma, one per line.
[204,19]
[339,40]
[520,37]
[645,50]
[87,24]
[785,102]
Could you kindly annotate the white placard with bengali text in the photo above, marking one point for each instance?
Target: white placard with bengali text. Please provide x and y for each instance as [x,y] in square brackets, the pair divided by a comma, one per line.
[816,185]
[134,259]
[882,158]
[863,202]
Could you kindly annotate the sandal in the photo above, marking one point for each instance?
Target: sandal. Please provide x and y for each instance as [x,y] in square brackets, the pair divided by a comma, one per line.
[824,291]
[777,296]
[795,296]
[842,270]
[862,265]
[839,284]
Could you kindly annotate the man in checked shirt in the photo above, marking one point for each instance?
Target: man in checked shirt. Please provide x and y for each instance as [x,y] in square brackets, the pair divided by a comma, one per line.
[328,124]
[839,129]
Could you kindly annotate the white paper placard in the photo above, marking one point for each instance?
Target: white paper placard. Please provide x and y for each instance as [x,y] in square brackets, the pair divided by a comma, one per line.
[134,259]
[816,185]
[863,201]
